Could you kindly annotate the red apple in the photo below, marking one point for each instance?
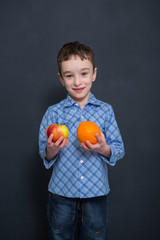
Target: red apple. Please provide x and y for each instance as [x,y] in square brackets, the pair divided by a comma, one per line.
[57,130]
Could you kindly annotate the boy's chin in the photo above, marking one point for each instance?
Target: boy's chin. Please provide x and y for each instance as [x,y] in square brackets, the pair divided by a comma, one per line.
[80,97]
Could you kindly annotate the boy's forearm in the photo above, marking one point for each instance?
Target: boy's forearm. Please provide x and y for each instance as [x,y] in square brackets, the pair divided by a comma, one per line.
[106,152]
[50,154]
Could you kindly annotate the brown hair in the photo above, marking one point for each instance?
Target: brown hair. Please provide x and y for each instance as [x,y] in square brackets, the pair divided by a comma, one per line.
[76,49]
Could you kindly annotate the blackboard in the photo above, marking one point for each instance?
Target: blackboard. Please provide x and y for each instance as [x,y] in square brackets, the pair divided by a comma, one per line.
[125,38]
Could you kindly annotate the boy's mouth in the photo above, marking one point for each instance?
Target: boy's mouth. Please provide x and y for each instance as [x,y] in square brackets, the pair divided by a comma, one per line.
[78,90]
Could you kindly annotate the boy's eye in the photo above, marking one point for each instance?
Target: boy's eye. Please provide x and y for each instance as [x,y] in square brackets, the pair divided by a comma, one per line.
[84,73]
[68,76]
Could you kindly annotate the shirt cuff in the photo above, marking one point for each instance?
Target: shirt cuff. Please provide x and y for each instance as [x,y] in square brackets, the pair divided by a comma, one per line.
[46,163]
[49,164]
[111,161]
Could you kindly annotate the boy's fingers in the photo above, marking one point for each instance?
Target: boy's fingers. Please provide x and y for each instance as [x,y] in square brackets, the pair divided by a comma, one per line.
[59,141]
[99,137]
[63,144]
[46,132]
[66,142]
[89,145]
[49,140]
[84,147]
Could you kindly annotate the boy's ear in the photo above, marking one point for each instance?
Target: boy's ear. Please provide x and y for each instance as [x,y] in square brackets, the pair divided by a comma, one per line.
[94,74]
[61,79]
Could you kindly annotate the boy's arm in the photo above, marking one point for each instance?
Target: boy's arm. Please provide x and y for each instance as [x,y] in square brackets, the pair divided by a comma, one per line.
[101,146]
[109,153]
[48,150]
[52,149]
[110,144]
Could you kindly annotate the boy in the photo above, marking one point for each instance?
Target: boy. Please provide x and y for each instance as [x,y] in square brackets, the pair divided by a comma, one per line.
[79,186]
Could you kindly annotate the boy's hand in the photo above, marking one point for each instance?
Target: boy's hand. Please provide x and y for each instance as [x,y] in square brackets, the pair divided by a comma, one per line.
[101,146]
[53,148]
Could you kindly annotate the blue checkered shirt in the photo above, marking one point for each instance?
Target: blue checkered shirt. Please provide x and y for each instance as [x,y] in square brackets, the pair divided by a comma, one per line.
[78,173]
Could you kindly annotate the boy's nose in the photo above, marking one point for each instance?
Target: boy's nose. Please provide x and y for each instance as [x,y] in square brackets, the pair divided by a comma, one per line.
[77,81]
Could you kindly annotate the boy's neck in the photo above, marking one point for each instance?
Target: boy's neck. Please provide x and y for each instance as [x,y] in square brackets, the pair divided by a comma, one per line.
[82,104]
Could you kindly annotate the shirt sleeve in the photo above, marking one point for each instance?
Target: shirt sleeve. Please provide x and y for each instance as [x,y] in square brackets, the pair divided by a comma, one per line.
[113,139]
[46,121]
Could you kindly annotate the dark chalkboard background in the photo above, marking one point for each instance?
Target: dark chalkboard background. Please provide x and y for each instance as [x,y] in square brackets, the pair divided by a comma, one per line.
[125,37]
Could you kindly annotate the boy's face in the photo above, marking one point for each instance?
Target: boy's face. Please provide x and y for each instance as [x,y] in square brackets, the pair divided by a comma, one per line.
[77,76]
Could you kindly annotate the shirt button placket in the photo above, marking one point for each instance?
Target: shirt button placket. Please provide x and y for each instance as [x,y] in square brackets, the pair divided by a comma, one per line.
[81,176]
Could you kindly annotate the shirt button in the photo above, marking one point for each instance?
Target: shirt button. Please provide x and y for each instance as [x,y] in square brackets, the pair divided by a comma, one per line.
[77,104]
[81,161]
[82,177]
[82,117]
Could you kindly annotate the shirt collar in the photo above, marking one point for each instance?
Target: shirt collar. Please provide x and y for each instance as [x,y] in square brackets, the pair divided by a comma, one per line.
[92,100]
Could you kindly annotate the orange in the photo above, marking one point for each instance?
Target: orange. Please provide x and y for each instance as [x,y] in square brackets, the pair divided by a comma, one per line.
[86,131]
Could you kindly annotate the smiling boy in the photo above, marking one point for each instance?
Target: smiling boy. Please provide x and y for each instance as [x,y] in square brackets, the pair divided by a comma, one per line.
[77,76]
[79,186]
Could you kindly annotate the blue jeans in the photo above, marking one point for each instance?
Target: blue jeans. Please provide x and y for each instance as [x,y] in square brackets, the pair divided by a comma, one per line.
[88,215]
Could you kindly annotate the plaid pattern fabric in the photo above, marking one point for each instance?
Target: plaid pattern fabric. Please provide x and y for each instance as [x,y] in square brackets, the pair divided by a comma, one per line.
[77,173]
